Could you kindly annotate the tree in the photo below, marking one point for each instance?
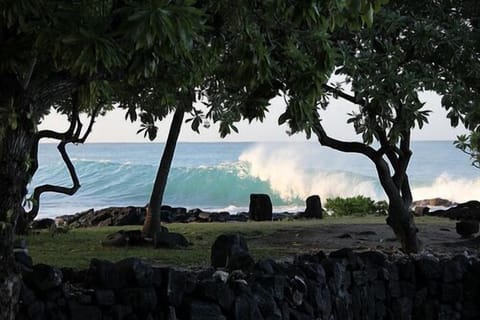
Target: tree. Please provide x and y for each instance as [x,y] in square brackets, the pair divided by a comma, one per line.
[69,56]
[411,47]
[461,86]
[232,68]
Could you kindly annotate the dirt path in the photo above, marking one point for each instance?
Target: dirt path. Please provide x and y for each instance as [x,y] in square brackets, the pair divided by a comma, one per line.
[439,239]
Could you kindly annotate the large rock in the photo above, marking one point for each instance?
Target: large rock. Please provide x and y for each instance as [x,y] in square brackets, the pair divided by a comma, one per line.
[435,202]
[44,277]
[142,300]
[42,224]
[204,310]
[178,285]
[231,251]
[314,207]
[217,291]
[260,207]
[114,216]
[136,272]
[466,228]
[105,274]
[123,238]
[469,210]
[80,312]
[170,240]
[421,211]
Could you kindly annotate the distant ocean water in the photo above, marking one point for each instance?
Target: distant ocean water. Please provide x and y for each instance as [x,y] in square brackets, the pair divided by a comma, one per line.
[221,176]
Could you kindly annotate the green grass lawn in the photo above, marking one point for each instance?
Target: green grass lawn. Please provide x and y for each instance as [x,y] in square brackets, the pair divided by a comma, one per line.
[77,247]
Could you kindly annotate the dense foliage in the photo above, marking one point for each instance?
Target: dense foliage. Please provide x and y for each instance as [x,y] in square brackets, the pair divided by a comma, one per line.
[355,206]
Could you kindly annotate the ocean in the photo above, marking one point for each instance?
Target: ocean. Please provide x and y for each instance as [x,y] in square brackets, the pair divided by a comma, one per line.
[221,176]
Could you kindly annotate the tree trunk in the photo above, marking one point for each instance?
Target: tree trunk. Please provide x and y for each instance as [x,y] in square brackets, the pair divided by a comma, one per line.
[399,217]
[152,219]
[10,279]
[401,221]
[15,146]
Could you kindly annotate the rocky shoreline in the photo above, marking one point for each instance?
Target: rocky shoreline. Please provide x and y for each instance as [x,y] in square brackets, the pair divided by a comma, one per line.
[122,216]
[260,209]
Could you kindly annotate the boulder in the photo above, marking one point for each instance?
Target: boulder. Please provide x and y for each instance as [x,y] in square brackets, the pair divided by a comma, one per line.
[204,310]
[469,210]
[178,285]
[142,300]
[136,272]
[42,224]
[434,202]
[260,208]
[104,297]
[239,217]
[204,216]
[218,291]
[421,211]
[105,274]
[79,311]
[43,277]
[467,228]
[169,240]
[231,251]
[113,216]
[314,207]
[222,216]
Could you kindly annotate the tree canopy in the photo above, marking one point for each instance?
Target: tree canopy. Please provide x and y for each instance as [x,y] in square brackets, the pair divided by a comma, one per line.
[82,57]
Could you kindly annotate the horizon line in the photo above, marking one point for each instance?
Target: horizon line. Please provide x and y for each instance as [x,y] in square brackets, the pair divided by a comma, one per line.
[52,141]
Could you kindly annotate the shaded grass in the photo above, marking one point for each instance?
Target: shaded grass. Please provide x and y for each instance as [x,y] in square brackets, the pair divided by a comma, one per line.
[77,247]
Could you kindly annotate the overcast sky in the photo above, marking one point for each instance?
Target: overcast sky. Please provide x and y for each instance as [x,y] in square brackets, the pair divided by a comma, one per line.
[114,128]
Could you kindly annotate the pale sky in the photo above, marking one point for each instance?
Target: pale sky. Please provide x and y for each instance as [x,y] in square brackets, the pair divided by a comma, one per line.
[114,128]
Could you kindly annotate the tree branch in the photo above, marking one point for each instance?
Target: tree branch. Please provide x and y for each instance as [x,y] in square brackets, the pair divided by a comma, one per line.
[54,135]
[387,149]
[72,135]
[51,188]
[406,192]
[344,95]
[351,147]
[90,125]
[400,176]
[26,81]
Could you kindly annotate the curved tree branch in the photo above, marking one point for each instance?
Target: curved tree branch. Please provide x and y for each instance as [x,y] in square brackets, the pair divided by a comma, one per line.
[351,147]
[407,192]
[54,135]
[343,95]
[52,188]
[72,135]
[94,115]
[387,149]
[28,76]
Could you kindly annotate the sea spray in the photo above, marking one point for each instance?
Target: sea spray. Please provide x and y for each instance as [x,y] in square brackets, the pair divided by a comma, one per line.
[290,174]
[454,189]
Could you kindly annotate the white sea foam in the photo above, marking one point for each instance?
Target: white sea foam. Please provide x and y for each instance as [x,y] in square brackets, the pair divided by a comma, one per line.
[287,174]
[284,170]
[453,189]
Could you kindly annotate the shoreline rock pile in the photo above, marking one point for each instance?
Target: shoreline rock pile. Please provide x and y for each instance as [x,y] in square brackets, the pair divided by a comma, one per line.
[260,210]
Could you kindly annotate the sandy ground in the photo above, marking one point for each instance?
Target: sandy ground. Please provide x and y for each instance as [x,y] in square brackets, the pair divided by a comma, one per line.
[438,239]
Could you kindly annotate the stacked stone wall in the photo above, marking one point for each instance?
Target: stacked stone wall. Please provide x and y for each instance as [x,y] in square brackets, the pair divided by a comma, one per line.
[343,285]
